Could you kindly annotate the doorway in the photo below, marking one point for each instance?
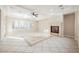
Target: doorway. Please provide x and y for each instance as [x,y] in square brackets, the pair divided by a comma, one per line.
[0,23]
[69,25]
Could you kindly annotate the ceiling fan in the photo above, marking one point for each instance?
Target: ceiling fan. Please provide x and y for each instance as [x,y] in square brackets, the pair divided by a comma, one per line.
[34,14]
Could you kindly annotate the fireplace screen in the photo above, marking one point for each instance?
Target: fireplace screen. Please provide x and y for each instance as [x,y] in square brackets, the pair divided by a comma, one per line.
[54,29]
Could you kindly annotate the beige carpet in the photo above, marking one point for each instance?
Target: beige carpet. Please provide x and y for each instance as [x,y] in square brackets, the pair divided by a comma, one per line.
[34,40]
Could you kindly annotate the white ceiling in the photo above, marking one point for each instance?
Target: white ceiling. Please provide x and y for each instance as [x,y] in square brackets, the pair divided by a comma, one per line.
[48,9]
[45,10]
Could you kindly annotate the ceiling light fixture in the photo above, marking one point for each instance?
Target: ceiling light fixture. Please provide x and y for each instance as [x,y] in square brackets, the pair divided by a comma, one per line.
[61,6]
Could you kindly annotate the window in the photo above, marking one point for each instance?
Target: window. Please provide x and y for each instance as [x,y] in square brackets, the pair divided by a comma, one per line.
[21,25]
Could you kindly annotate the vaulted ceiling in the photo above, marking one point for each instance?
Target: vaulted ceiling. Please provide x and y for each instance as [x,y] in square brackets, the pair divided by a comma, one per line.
[43,11]
[50,9]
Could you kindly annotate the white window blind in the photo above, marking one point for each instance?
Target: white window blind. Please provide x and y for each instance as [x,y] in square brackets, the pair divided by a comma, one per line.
[22,25]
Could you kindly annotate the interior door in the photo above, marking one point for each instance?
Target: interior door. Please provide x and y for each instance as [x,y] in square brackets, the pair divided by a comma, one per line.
[69,25]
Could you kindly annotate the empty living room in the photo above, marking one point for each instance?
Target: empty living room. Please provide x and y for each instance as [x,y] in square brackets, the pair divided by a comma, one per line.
[39,28]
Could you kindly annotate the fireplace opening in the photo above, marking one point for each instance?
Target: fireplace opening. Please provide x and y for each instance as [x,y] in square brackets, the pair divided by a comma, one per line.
[55,29]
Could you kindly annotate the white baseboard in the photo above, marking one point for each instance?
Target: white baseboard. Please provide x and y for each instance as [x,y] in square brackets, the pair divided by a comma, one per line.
[68,36]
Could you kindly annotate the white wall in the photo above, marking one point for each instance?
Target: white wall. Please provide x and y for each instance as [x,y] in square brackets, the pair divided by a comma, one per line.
[3,21]
[77,26]
[43,24]
[54,20]
[10,21]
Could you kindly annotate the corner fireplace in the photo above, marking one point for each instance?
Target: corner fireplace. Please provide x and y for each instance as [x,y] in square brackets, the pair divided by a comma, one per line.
[54,29]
